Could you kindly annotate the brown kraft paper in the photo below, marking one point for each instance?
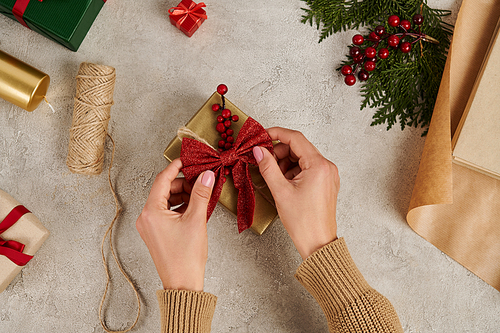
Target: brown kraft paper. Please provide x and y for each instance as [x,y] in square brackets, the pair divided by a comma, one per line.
[453,207]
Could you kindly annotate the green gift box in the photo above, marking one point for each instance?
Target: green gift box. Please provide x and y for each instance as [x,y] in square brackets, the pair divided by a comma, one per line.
[64,21]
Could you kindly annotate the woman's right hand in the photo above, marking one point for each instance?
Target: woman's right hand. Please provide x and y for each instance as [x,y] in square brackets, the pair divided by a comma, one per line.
[304,186]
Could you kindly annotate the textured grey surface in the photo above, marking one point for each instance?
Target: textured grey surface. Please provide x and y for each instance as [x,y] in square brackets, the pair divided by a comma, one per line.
[277,73]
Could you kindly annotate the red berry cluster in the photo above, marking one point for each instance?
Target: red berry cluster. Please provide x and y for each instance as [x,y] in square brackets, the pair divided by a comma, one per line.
[224,121]
[365,59]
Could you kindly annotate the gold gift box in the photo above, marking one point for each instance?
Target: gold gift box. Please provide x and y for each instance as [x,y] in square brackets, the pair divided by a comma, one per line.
[203,123]
[28,230]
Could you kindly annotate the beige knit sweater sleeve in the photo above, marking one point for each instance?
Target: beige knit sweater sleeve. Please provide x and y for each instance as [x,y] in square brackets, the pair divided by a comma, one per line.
[329,274]
[184,311]
[349,303]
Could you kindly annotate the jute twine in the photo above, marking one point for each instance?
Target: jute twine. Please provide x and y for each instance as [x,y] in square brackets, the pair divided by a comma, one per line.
[94,97]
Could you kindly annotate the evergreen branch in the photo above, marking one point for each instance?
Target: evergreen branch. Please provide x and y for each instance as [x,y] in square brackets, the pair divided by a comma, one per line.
[404,87]
[342,15]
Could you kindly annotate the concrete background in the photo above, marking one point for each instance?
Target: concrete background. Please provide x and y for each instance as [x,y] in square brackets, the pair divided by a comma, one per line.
[276,72]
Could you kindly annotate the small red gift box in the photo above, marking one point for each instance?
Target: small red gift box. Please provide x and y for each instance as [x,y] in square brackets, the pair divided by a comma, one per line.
[188,16]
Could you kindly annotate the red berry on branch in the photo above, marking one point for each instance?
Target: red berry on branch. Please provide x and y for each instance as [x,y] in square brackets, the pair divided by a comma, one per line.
[227,123]
[418,19]
[220,128]
[350,80]
[235,118]
[357,39]
[229,132]
[346,70]
[405,24]
[405,47]
[374,59]
[358,58]
[383,53]
[393,40]
[393,20]
[369,66]
[228,146]
[363,75]
[222,89]
[370,52]
[373,36]
[220,119]
[215,107]
[230,139]
[223,180]
[227,171]
[224,136]
[221,143]
[226,113]
[354,51]
[380,30]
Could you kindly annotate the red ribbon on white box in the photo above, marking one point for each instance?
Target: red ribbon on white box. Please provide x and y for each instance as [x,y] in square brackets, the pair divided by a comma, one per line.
[12,249]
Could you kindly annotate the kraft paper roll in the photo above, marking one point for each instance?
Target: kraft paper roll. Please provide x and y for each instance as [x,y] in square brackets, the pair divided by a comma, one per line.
[20,83]
[455,208]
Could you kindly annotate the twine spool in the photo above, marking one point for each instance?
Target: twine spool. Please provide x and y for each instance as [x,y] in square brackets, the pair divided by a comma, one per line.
[93,101]
[91,115]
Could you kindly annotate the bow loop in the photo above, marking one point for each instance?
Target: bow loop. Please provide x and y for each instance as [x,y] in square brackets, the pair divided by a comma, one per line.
[197,157]
[10,248]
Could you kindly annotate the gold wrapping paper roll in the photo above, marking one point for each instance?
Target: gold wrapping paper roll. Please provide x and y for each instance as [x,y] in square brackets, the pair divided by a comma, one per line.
[20,83]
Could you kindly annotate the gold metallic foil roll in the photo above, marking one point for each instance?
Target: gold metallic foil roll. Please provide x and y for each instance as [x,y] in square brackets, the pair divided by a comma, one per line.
[21,84]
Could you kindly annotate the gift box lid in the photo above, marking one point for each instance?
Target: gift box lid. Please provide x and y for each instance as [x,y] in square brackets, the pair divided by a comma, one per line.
[66,22]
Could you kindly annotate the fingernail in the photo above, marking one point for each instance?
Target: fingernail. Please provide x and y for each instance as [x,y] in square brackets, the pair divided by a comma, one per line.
[208,178]
[258,154]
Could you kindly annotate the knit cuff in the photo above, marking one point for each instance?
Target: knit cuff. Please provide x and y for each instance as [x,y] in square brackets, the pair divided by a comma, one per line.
[331,276]
[186,311]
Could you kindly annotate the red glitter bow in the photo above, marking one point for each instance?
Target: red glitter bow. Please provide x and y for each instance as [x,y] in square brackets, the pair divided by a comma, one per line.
[12,249]
[190,11]
[197,157]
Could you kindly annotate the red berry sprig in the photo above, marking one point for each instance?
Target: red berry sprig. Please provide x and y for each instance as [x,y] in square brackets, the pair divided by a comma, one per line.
[224,121]
[377,45]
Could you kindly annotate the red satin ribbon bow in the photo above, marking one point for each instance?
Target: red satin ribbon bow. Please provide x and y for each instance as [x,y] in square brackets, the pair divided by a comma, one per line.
[197,157]
[190,11]
[19,9]
[12,249]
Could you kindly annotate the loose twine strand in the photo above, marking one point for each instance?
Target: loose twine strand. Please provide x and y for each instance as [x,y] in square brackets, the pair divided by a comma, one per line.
[50,106]
[93,101]
[108,278]
[186,132]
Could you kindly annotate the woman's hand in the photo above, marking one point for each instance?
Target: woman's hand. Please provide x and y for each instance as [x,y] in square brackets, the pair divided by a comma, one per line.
[177,239]
[304,185]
